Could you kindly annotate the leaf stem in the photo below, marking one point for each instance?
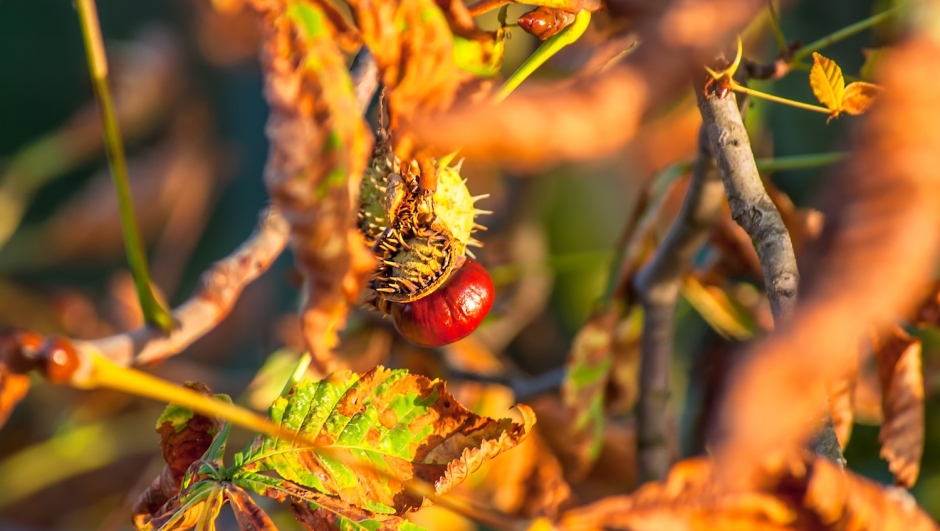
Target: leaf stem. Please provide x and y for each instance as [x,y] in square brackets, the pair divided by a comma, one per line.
[800,162]
[758,94]
[153,311]
[298,373]
[775,26]
[841,34]
[544,52]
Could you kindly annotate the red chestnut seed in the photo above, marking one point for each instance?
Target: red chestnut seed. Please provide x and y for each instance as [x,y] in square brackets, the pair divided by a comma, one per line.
[449,313]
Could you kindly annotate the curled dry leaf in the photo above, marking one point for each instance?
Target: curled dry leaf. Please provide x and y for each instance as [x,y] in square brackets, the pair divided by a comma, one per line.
[185,437]
[322,512]
[418,66]
[815,495]
[248,514]
[319,150]
[528,482]
[902,384]
[843,500]
[377,431]
[688,499]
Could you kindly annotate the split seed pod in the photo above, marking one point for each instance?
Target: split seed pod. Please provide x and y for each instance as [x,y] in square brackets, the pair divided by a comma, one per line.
[421,242]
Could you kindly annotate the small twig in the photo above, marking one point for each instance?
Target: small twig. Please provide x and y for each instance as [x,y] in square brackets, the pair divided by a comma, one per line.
[219,290]
[657,285]
[775,25]
[841,34]
[154,312]
[751,207]
[754,211]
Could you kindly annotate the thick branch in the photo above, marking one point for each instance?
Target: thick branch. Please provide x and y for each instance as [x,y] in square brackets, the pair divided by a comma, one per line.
[657,286]
[754,211]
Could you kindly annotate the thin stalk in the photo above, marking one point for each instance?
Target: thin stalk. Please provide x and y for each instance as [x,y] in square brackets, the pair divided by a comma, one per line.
[841,34]
[544,52]
[800,162]
[298,373]
[775,26]
[778,99]
[153,311]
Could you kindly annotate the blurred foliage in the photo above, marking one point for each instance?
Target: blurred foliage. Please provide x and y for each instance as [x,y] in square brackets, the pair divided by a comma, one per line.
[580,210]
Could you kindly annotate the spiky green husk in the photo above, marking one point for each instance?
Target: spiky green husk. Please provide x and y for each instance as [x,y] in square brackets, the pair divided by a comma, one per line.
[418,243]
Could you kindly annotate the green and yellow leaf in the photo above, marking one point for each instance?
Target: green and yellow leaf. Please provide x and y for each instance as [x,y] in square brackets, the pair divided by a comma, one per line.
[374,433]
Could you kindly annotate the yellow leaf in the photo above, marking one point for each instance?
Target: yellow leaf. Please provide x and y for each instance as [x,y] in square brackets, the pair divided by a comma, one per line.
[859,96]
[825,77]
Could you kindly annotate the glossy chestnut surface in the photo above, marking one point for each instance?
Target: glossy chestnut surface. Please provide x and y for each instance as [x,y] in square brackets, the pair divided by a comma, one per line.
[451,312]
[545,22]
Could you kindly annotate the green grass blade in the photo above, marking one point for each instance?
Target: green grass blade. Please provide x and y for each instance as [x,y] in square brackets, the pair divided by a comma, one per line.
[153,311]
[544,52]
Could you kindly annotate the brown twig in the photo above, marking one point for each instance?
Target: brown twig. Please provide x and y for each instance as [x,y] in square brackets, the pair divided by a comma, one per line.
[756,213]
[219,289]
[657,286]
[751,207]
[221,284]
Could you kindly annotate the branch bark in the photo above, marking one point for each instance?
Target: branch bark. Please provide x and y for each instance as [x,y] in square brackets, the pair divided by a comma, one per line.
[657,285]
[756,213]
[879,246]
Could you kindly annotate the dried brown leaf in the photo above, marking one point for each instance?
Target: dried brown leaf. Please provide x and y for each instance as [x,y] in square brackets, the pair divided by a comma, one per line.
[846,501]
[184,438]
[248,514]
[815,495]
[527,482]
[597,115]
[902,384]
[327,513]
[418,66]
[688,499]
[319,146]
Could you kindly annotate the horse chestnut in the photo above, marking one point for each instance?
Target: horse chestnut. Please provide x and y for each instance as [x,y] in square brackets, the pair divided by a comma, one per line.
[449,313]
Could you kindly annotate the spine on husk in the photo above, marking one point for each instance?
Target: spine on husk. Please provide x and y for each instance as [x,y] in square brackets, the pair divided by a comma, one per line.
[419,239]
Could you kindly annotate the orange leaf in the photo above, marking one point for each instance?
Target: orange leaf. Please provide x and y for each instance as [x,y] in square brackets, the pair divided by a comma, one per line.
[902,383]
[859,96]
[825,77]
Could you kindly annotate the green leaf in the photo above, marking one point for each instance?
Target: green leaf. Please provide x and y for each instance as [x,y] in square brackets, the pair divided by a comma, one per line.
[375,432]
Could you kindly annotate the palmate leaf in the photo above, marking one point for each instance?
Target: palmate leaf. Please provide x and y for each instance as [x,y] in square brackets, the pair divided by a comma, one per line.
[374,433]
